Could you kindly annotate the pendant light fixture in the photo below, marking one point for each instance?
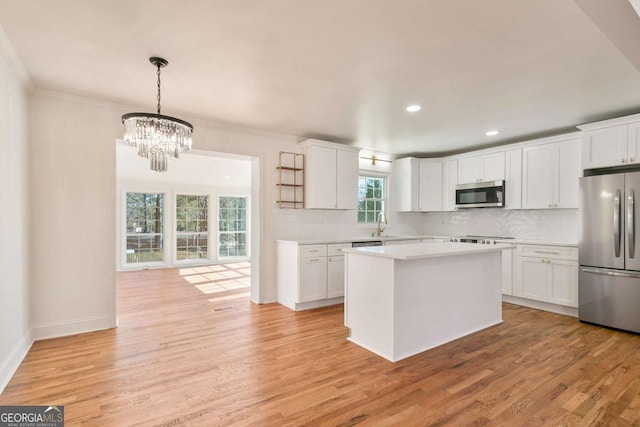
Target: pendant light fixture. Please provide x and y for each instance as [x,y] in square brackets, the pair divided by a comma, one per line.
[157,137]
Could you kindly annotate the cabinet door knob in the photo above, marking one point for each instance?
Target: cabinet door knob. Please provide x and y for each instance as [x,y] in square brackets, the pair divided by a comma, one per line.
[623,160]
[630,159]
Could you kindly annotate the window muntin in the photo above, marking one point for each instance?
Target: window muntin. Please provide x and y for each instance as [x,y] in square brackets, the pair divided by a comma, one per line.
[192,227]
[232,226]
[145,227]
[371,198]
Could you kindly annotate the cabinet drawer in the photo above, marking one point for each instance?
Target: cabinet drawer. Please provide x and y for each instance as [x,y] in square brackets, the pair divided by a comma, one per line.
[307,251]
[335,249]
[553,252]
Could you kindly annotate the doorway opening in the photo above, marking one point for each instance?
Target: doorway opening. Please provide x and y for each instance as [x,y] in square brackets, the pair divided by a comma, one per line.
[197,219]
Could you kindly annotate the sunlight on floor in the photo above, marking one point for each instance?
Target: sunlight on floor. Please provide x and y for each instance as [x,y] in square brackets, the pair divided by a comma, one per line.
[219,278]
[230,297]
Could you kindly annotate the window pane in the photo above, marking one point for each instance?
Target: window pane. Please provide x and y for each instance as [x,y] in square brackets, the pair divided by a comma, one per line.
[371,198]
[191,227]
[144,219]
[232,226]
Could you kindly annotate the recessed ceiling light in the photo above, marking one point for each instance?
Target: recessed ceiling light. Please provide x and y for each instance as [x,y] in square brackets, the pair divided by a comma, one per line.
[226,177]
[413,108]
[492,133]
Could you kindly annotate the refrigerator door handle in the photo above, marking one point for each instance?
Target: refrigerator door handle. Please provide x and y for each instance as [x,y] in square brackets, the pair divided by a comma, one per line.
[631,219]
[611,273]
[616,223]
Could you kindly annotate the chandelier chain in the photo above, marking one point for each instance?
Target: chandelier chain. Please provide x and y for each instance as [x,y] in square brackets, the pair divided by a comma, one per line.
[158,73]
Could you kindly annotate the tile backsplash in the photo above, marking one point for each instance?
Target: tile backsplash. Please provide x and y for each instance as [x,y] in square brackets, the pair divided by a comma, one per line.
[555,225]
[559,225]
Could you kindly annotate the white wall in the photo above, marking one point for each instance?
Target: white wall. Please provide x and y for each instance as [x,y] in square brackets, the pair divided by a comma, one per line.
[15,338]
[72,200]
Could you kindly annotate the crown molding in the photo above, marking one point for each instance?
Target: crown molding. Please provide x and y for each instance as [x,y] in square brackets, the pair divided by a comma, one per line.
[8,52]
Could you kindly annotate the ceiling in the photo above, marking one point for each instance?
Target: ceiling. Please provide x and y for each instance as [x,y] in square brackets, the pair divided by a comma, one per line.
[344,71]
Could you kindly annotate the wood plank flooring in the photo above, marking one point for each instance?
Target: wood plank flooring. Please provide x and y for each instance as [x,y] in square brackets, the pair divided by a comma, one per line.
[191,350]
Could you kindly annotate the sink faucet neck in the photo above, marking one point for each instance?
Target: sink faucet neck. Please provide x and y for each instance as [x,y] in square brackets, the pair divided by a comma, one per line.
[381,219]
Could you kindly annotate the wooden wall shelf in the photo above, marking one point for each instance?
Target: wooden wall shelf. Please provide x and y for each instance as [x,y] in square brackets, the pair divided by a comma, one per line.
[290,180]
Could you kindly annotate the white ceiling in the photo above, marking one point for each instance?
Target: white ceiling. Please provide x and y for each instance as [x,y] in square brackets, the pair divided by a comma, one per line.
[345,70]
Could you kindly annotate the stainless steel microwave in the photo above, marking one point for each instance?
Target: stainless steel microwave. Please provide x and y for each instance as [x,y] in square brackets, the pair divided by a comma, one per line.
[488,194]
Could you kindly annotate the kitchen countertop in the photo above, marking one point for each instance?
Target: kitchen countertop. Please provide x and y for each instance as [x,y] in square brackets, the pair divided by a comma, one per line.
[355,239]
[383,238]
[537,242]
[426,250]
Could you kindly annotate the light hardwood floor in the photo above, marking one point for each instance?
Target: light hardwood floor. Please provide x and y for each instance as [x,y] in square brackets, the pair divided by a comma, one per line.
[193,352]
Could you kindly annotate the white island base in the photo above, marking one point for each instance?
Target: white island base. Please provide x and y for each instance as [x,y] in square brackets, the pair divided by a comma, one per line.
[403,300]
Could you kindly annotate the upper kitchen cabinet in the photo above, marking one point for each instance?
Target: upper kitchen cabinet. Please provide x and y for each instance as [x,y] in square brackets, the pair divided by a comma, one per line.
[550,175]
[418,184]
[614,142]
[513,179]
[449,181]
[331,175]
[486,167]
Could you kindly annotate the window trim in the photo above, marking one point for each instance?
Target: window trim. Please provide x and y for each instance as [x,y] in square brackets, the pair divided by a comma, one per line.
[247,230]
[385,198]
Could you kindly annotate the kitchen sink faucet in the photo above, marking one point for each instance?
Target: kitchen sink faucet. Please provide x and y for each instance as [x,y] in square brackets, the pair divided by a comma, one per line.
[381,219]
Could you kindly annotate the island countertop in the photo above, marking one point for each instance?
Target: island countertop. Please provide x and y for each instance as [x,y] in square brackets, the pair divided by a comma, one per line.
[411,251]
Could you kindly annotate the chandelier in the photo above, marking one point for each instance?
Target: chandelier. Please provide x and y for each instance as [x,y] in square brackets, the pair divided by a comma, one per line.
[157,137]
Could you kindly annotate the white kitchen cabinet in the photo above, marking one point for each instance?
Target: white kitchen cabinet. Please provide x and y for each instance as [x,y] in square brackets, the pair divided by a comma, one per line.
[547,273]
[563,283]
[430,185]
[507,272]
[331,175]
[348,171]
[418,184]
[608,143]
[313,279]
[604,147]
[335,269]
[550,175]
[534,279]
[449,182]
[513,179]
[335,276]
[310,276]
[486,167]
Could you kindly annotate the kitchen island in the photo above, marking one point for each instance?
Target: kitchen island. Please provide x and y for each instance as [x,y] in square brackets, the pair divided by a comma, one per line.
[402,300]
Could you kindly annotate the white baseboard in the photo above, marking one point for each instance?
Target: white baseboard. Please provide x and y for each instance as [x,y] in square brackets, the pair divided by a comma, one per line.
[11,363]
[541,305]
[72,327]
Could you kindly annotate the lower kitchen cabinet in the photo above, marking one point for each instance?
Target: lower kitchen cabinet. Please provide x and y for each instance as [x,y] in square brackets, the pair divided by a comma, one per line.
[335,276]
[310,276]
[546,273]
[313,279]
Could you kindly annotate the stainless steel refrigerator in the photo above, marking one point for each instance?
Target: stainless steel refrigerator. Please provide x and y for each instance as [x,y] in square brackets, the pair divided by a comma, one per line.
[609,254]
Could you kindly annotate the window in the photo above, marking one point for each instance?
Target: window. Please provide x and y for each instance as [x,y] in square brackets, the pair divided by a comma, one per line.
[232,226]
[192,227]
[371,198]
[145,231]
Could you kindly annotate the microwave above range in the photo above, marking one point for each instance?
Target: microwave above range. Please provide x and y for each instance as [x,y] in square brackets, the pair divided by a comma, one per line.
[488,194]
